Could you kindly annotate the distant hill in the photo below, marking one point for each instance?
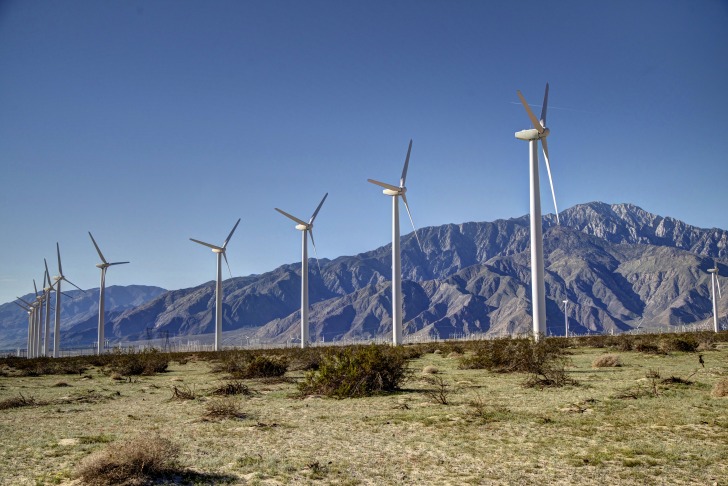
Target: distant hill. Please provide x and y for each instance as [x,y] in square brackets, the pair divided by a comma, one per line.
[618,265]
[79,312]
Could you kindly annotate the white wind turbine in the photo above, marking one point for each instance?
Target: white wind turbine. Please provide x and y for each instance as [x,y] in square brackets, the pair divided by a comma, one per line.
[47,288]
[220,251]
[57,327]
[27,308]
[305,228]
[397,192]
[715,282]
[40,299]
[533,135]
[104,265]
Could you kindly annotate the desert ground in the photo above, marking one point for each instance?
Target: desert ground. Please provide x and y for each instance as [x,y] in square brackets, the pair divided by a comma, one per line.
[643,418]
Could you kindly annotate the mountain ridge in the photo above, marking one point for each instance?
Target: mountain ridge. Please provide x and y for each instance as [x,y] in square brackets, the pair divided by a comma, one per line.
[469,277]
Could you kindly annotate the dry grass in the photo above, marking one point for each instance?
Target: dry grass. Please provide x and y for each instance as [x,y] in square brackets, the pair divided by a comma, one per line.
[223,408]
[572,435]
[183,392]
[607,361]
[17,401]
[720,389]
[235,387]
[430,370]
[134,462]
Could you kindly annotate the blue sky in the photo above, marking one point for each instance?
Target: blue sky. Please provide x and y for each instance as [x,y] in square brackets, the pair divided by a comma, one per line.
[148,123]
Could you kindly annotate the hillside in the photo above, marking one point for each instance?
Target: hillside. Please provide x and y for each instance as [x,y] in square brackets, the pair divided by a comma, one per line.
[618,265]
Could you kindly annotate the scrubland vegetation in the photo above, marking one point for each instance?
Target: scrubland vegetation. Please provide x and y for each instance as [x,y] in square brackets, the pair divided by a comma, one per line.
[593,410]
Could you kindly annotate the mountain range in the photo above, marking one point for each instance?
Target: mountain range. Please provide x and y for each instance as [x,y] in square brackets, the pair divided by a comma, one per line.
[620,267]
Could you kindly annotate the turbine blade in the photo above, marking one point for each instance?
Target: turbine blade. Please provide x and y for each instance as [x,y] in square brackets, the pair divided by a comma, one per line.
[228,264]
[406,205]
[25,301]
[545,104]
[209,245]
[47,272]
[718,282]
[551,181]
[36,288]
[21,306]
[231,234]
[406,165]
[318,208]
[313,243]
[79,288]
[118,263]
[97,248]
[60,269]
[534,120]
[67,295]
[290,216]
[103,278]
[384,185]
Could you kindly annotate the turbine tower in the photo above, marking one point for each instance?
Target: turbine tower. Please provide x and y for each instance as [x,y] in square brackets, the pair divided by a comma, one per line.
[714,282]
[305,228]
[532,136]
[39,327]
[47,288]
[220,251]
[104,265]
[30,307]
[57,327]
[397,192]
[30,317]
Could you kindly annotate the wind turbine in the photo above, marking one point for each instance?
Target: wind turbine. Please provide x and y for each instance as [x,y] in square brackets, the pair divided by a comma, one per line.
[30,307]
[30,318]
[47,288]
[715,282]
[397,192]
[305,228]
[39,327]
[532,136]
[220,251]
[104,265]
[57,327]
[566,319]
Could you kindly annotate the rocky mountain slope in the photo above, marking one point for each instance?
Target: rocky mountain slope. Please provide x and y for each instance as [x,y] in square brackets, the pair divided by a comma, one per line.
[618,265]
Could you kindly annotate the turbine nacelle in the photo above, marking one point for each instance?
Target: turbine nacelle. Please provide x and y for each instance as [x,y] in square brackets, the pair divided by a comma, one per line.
[392,192]
[532,134]
[303,227]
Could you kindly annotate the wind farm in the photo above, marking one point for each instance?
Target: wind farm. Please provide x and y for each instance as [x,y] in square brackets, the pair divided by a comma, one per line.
[501,340]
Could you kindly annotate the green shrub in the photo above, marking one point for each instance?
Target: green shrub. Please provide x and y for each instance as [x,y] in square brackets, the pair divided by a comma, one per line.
[264,366]
[645,345]
[357,371]
[306,359]
[544,360]
[133,364]
[684,343]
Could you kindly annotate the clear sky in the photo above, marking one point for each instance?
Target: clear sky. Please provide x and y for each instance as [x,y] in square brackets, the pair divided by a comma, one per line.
[150,122]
